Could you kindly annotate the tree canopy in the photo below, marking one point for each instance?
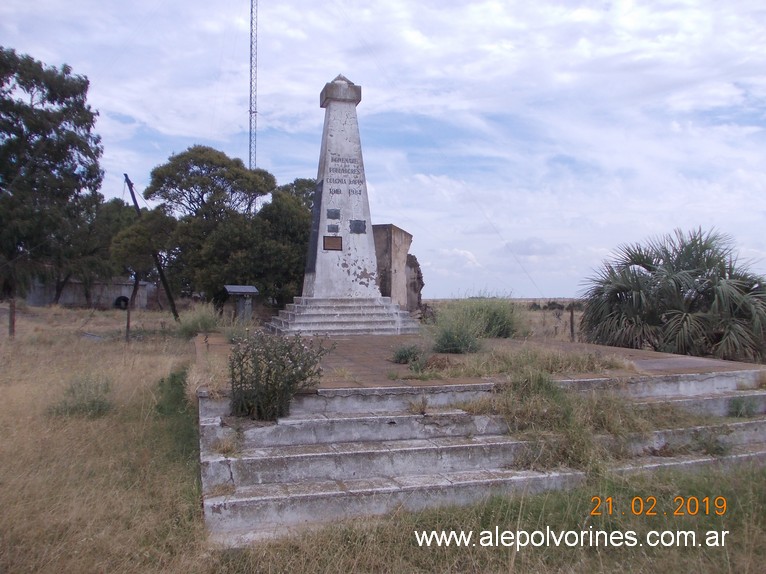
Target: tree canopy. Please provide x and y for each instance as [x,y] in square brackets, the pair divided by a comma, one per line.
[681,293]
[204,182]
[220,238]
[301,188]
[49,160]
[54,223]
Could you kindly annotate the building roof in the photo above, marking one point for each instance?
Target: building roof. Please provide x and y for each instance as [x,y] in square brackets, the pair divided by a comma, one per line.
[241,289]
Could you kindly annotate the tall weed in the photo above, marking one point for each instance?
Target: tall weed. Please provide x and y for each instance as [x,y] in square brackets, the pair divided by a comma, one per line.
[201,318]
[461,324]
[268,370]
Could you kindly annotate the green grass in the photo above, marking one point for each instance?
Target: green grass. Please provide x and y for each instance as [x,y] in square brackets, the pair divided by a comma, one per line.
[86,396]
[460,325]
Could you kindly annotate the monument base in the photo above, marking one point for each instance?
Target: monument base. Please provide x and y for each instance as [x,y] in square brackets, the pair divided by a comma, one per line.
[315,316]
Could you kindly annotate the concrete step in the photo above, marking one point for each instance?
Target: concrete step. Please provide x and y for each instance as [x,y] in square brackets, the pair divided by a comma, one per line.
[356,427]
[350,460]
[340,331]
[389,413]
[341,315]
[341,301]
[339,427]
[676,386]
[309,316]
[269,510]
[369,459]
[346,327]
[726,404]
[387,399]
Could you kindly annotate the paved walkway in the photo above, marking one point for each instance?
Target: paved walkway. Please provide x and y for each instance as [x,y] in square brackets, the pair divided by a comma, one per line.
[366,360]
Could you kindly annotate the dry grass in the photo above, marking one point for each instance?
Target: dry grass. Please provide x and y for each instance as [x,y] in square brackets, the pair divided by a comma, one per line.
[508,363]
[544,360]
[571,429]
[119,493]
[212,373]
[109,494]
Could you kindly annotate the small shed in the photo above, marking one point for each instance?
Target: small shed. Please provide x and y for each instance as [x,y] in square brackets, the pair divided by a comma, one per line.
[242,299]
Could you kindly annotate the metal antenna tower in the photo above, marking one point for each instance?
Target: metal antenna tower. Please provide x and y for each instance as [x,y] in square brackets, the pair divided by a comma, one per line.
[253,78]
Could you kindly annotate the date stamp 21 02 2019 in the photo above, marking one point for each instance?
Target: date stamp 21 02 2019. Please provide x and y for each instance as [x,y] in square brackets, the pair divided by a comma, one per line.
[650,506]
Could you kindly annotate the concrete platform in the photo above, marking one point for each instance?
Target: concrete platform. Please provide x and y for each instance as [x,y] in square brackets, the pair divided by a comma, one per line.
[365,361]
[360,446]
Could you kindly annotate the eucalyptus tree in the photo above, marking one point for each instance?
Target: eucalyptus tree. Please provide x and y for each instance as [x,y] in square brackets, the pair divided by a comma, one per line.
[203,182]
[682,293]
[208,192]
[49,158]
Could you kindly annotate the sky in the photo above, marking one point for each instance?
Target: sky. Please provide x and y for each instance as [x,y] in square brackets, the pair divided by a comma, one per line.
[519,142]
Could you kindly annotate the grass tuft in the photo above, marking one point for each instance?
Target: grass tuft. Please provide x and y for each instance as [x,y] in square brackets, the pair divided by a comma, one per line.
[201,318]
[86,396]
[743,407]
[461,324]
[407,354]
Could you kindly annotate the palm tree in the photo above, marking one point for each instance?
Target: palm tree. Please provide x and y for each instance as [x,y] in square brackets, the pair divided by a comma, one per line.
[680,293]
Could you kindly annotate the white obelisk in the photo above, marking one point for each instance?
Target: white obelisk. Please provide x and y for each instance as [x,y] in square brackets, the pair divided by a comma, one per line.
[341,259]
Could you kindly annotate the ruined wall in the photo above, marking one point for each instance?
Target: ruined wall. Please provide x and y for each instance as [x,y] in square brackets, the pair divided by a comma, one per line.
[395,277]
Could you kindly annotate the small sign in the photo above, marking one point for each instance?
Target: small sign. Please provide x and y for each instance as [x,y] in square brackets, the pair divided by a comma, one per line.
[332,243]
[334,228]
[333,214]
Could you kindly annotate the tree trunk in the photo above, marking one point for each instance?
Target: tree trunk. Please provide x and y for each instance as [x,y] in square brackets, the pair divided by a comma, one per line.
[12,313]
[134,293]
[60,286]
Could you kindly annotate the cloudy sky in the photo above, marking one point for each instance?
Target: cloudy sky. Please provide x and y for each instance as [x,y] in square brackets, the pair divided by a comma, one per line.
[519,142]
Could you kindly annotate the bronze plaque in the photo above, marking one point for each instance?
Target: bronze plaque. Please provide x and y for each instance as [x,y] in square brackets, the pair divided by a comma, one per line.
[332,243]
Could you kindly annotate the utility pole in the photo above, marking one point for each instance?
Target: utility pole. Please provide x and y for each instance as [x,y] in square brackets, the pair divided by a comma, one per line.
[155,256]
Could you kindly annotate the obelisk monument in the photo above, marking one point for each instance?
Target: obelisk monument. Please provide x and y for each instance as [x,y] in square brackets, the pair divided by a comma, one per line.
[341,259]
[340,287]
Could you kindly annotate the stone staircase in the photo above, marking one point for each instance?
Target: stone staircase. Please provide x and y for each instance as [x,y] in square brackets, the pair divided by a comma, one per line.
[346,453]
[315,316]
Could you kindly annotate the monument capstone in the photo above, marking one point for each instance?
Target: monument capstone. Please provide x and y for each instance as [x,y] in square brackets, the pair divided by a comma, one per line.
[341,294]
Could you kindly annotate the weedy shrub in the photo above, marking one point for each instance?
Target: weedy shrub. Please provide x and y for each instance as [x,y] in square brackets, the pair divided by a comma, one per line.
[567,424]
[202,318]
[742,407]
[87,396]
[461,324]
[268,370]
[497,318]
[455,338]
[407,354]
